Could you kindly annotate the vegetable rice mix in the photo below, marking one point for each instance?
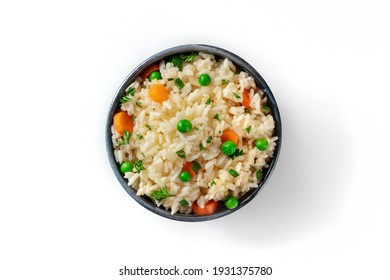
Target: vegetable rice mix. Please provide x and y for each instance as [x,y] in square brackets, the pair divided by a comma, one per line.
[193,134]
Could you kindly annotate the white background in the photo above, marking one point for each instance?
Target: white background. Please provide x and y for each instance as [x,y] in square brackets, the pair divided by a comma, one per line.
[323,215]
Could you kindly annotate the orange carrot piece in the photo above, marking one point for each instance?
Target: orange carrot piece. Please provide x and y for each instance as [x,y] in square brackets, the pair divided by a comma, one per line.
[158,93]
[122,122]
[229,134]
[209,208]
[245,98]
[146,73]
[188,167]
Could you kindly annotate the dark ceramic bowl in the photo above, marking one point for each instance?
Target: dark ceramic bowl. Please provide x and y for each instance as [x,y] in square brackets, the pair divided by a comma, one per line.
[241,65]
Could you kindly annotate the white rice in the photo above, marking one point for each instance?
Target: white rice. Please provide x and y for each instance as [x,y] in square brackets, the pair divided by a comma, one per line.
[159,145]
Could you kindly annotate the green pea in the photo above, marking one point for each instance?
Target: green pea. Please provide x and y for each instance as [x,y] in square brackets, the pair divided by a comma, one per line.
[262,144]
[126,166]
[228,147]
[155,75]
[184,126]
[204,80]
[231,202]
[185,176]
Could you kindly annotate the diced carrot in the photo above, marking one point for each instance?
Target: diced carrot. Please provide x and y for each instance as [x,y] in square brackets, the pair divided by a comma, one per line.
[146,73]
[245,98]
[209,208]
[229,134]
[158,93]
[122,122]
[188,167]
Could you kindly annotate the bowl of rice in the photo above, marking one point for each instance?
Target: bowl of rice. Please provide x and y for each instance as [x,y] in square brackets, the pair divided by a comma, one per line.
[193,133]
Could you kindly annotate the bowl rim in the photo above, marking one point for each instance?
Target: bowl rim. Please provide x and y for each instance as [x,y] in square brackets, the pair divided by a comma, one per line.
[239,63]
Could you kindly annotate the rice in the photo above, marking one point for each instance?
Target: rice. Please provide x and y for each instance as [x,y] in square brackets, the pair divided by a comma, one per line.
[211,109]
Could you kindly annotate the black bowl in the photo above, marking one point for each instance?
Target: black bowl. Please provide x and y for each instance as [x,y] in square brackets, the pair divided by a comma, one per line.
[241,65]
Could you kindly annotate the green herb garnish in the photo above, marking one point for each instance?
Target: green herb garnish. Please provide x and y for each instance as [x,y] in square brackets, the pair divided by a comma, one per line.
[246,110]
[259,174]
[131,91]
[224,82]
[236,95]
[195,166]
[184,202]
[208,101]
[160,194]
[125,99]
[248,129]
[188,58]
[216,117]
[201,147]
[196,128]
[209,140]
[133,118]
[178,62]
[212,183]
[181,154]
[140,137]
[148,126]
[237,153]
[233,172]
[126,138]
[179,83]
[138,104]
[266,109]
[139,166]
[143,154]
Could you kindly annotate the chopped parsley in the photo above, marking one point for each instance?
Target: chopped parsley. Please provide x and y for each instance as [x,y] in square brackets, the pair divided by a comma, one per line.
[126,138]
[236,95]
[196,128]
[138,104]
[148,126]
[133,118]
[248,129]
[177,62]
[259,174]
[195,166]
[216,117]
[140,137]
[237,153]
[201,147]
[143,154]
[210,139]
[208,101]
[246,110]
[160,194]
[224,82]
[212,183]
[233,172]
[181,154]
[184,202]
[179,83]
[266,109]
[139,166]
